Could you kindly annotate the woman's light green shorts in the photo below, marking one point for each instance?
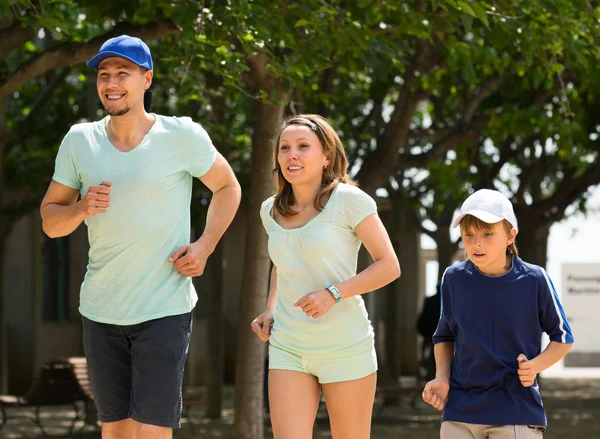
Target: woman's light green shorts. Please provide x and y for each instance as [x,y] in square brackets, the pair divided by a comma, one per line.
[326,369]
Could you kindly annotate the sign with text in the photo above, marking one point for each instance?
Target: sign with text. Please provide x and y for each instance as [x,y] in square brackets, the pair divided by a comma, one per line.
[581,301]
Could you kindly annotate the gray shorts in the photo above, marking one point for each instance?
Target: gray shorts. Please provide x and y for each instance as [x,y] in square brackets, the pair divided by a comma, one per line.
[462,430]
[136,371]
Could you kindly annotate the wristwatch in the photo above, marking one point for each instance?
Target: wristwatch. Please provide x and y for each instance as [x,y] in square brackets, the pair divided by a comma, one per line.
[335,293]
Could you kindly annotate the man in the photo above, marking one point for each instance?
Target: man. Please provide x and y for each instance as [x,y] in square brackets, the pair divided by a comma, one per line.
[134,172]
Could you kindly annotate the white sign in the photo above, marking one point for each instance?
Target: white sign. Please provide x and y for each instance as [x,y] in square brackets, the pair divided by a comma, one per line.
[581,302]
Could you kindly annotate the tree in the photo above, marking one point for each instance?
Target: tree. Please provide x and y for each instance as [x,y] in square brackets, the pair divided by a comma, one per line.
[461,80]
[267,60]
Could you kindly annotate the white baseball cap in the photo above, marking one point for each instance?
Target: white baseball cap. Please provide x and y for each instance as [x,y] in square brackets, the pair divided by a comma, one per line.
[489,206]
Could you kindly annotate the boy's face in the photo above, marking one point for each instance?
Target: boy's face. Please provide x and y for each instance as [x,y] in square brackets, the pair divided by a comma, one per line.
[487,248]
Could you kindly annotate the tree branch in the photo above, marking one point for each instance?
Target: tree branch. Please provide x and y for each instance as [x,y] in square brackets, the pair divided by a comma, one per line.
[328,80]
[439,149]
[375,115]
[14,36]
[380,164]
[540,98]
[431,132]
[219,113]
[571,189]
[36,108]
[507,152]
[480,95]
[44,97]
[488,173]
[68,54]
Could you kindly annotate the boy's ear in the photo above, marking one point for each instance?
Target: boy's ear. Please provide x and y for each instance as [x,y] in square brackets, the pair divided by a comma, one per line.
[513,235]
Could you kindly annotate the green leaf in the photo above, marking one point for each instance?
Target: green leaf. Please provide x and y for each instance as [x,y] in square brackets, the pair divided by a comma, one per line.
[468,71]
[465,7]
[467,21]
[482,15]
[557,68]
[435,4]
[302,23]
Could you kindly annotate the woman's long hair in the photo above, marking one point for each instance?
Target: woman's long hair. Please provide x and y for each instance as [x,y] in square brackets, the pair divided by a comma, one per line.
[334,173]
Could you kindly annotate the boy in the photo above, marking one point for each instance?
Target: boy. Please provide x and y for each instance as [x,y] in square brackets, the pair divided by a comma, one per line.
[495,307]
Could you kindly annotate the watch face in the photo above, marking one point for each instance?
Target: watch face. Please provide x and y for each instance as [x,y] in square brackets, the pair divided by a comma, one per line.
[334,292]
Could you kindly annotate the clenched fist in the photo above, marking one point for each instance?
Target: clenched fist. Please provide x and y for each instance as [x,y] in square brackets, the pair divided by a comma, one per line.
[96,201]
[316,304]
[436,393]
[262,325]
[190,260]
[527,370]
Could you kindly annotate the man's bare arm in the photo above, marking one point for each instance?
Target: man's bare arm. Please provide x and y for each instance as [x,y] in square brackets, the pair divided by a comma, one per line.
[61,212]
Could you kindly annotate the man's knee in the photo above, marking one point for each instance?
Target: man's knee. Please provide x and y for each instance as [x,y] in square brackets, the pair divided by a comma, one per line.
[154,432]
[125,429]
[131,429]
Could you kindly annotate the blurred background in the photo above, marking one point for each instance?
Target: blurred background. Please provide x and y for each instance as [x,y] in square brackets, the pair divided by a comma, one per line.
[433,99]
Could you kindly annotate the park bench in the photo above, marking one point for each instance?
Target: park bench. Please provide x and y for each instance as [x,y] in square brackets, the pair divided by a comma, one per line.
[67,382]
[55,385]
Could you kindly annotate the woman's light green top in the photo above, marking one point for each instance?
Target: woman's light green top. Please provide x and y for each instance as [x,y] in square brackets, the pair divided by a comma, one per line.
[309,258]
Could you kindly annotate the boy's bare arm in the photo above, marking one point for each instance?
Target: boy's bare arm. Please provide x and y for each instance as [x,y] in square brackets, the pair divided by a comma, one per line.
[443,352]
[528,369]
[436,391]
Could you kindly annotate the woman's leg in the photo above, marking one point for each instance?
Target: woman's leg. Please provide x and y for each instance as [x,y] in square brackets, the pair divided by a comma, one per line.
[294,401]
[350,407]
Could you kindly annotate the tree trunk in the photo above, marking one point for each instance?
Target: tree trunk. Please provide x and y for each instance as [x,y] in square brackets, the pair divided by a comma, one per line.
[392,344]
[215,341]
[4,231]
[401,337]
[250,360]
[446,249]
[532,240]
[377,303]
[5,227]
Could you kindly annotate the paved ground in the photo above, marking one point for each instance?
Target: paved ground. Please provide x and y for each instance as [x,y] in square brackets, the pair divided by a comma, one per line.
[573,407]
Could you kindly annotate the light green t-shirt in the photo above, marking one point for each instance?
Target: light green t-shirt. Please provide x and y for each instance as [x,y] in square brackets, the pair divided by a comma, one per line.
[309,258]
[128,278]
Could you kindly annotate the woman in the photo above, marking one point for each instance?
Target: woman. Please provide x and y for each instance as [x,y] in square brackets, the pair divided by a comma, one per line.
[315,319]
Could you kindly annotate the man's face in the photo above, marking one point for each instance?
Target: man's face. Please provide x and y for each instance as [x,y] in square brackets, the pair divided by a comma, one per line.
[121,85]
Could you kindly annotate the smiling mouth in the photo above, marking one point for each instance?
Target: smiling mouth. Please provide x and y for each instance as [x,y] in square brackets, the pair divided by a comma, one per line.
[114,97]
[478,254]
[294,168]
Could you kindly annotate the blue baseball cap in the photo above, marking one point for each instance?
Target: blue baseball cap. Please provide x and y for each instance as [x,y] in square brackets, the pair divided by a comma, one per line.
[130,48]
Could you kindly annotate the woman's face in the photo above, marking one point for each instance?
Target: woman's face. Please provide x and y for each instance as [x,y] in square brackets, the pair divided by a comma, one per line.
[301,156]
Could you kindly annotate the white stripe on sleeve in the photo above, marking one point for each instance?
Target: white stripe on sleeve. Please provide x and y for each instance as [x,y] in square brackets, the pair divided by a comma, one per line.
[556,306]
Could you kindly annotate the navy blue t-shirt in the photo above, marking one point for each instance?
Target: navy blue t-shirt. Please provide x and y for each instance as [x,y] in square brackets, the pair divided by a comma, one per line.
[492,320]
